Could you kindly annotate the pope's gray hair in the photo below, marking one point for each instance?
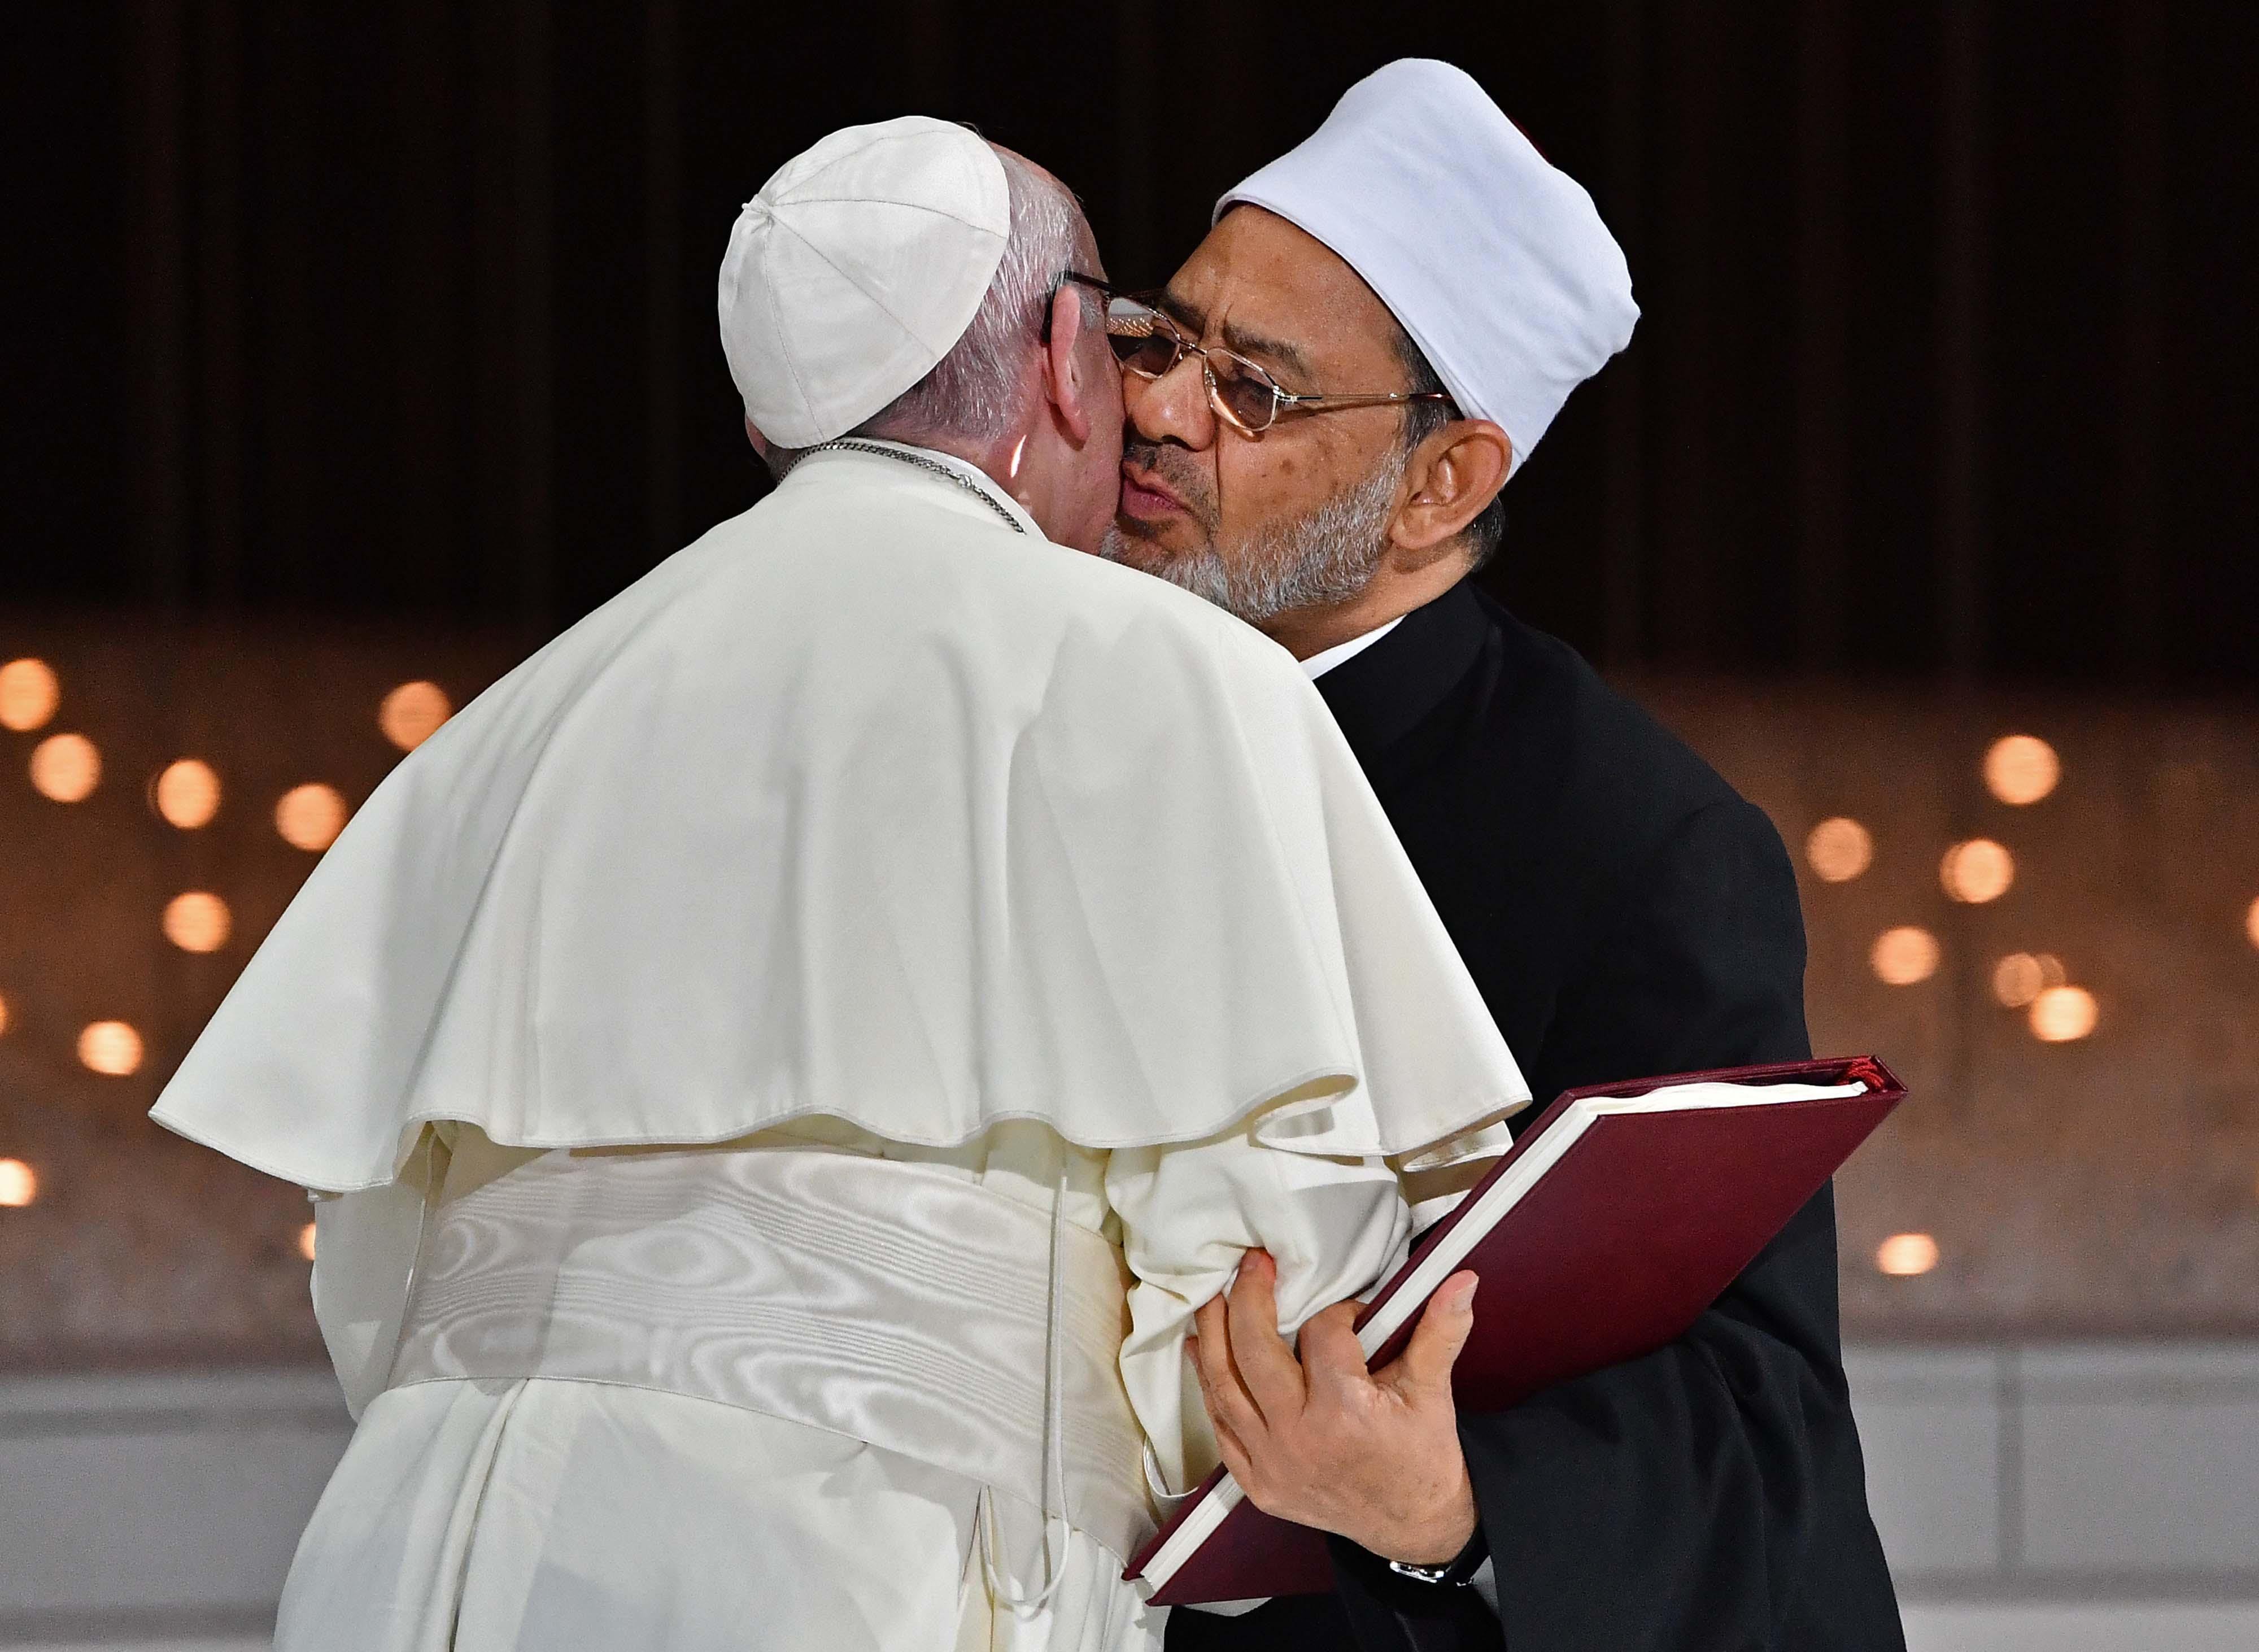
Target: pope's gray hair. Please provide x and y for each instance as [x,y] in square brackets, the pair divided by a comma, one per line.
[976,391]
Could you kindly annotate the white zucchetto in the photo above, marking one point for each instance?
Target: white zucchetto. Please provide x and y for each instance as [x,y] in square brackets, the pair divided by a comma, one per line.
[1491,257]
[856,269]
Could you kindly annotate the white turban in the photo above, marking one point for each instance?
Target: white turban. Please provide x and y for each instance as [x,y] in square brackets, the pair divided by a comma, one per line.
[857,267]
[1493,260]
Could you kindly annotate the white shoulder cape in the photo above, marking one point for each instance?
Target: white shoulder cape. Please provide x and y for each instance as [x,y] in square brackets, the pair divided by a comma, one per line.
[861,805]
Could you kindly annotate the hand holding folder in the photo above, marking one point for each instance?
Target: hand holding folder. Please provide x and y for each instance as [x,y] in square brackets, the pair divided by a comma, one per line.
[1371,1454]
[1617,1218]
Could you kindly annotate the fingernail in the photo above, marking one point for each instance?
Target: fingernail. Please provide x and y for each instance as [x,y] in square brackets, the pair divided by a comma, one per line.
[1467,1296]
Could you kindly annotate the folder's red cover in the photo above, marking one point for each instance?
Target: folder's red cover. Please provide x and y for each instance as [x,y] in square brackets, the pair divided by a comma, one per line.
[1615,1250]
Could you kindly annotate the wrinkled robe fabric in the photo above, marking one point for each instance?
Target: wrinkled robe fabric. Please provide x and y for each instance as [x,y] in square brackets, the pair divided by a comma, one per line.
[863,805]
[868,825]
[489,1514]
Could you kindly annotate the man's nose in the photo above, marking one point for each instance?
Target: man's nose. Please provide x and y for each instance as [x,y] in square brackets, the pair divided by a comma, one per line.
[1172,407]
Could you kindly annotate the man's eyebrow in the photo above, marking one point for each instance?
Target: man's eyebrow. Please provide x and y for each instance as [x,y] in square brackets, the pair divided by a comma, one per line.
[1290,356]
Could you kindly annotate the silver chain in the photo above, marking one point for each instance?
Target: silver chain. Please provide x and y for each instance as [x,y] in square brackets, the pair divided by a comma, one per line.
[847,444]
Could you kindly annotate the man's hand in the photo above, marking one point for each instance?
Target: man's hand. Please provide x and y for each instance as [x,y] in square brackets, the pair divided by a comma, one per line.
[1318,1440]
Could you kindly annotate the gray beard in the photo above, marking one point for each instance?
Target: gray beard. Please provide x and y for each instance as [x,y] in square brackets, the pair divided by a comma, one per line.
[1328,557]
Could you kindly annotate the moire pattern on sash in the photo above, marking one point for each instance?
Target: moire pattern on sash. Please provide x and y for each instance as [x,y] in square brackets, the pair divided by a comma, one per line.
[877,1300]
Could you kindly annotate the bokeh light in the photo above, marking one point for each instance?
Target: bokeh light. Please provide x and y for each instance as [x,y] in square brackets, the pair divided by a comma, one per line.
[2251,924]
[1904,956]
[3,1014]
[111,1048]
[1839,850]
[1977,871]
[29,694]
[19,1184]
[2022,768]
[411,713]
[310,817]
[2063,1013]
[2017,980]
[197,921]
[66,767]
[306,1242]
[1905,1254]
[187,793]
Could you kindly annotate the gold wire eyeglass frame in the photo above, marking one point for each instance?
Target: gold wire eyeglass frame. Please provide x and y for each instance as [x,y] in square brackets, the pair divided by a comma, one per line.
[1135,320]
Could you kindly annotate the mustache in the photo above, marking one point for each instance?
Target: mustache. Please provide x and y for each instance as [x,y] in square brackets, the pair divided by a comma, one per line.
[1187,477]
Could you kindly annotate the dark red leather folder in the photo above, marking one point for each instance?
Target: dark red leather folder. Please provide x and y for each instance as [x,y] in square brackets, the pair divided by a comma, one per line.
[1615,1222]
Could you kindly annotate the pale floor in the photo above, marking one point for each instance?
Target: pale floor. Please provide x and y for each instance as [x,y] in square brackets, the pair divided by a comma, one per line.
[2032,1499]
[2167,1627]
[1929,1628]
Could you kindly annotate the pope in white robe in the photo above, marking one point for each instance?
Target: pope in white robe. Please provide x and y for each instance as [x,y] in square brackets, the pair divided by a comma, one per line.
[778,1072]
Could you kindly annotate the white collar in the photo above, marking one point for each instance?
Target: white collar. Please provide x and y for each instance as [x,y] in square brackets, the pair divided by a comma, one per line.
[1319,665]
[971,472]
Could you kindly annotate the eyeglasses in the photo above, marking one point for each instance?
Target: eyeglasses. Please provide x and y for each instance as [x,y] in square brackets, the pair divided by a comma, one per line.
[1101,289]
[1245,397]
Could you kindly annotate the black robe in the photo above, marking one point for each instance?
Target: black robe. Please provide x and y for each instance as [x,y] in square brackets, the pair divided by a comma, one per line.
[1624,913]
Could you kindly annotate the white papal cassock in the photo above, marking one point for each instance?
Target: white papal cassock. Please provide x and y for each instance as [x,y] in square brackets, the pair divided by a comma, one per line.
[778,1069]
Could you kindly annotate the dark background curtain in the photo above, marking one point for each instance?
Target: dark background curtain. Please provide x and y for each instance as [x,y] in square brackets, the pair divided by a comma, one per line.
[404,311]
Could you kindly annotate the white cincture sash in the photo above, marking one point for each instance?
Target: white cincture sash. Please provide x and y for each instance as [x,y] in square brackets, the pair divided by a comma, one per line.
[888,1302]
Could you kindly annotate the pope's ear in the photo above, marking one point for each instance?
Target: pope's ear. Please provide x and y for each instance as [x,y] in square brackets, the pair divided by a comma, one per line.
[760,442]
[1067,376]
[1453,475]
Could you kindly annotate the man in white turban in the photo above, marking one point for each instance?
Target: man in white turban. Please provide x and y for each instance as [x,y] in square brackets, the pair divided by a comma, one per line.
[1325,405]
[780,1070]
